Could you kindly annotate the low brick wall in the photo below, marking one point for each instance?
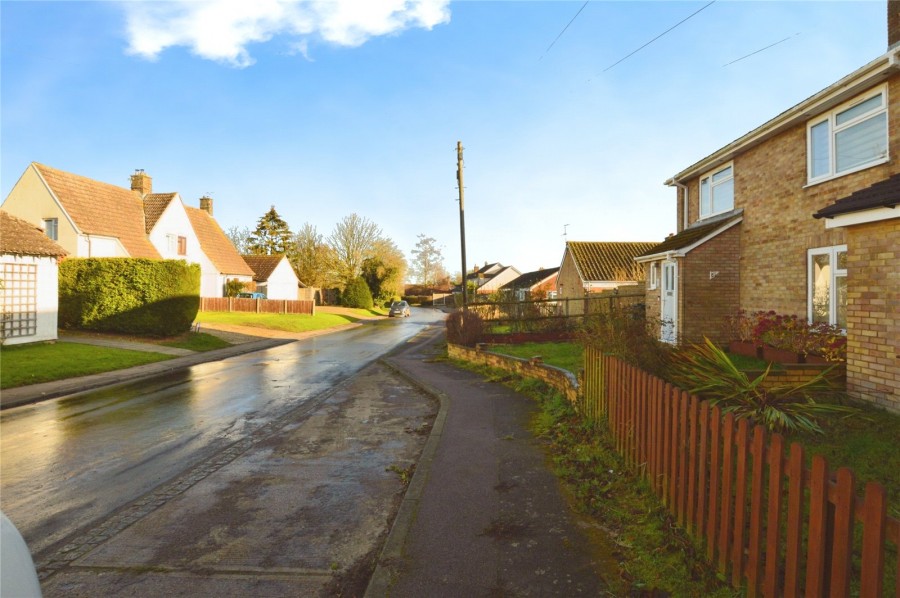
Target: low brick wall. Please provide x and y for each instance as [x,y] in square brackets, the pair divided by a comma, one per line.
[803,372]
[559,379]
[514,338]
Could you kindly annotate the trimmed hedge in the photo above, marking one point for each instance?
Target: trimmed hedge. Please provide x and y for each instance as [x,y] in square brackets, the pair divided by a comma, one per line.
[357,294]
[128,295]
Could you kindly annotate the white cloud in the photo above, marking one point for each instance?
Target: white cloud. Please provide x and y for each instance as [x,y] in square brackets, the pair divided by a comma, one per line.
[221,30]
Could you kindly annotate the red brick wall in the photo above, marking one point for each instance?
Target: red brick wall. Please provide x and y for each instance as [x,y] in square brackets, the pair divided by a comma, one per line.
[707,298]
[873,312]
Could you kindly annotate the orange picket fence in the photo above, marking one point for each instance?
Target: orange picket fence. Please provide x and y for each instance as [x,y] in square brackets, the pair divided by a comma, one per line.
[768,523]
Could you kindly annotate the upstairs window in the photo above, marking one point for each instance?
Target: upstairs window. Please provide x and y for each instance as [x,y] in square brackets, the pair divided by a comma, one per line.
[717,192]
[848,139]
[51,228]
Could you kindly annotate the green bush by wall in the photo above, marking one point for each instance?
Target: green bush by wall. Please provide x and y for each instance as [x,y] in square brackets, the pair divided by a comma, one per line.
[128,295]
[357,294]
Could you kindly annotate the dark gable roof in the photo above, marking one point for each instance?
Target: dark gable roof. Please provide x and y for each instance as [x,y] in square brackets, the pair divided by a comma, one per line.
[529,279]
[691,235]
[262,265]
[884,194]
[20,237]
[600,260]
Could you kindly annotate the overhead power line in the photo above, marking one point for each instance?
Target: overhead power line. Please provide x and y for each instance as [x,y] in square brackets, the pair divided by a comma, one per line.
[564,30]
[660,35]
[760,50]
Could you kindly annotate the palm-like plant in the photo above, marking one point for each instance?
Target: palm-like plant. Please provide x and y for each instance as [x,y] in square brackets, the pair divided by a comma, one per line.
[707,371]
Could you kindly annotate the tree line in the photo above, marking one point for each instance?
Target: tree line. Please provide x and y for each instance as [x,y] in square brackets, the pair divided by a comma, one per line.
[355,251]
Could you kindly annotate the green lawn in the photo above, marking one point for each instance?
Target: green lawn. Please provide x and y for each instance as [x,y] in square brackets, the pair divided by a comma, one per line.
[197,341]
[567,356]
[284,322]
[43,362]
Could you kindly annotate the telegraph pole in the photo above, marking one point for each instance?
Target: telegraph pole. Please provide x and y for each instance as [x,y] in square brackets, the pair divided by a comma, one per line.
[462,223]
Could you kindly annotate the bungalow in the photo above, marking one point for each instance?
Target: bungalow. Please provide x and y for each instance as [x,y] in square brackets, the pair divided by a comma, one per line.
[29,294]
[590,267]
[798,216]
[93,219]
[489,278]
[540,284]
[274,276]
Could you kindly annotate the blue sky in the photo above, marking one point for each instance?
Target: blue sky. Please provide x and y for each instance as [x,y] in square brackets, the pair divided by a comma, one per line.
[331,108]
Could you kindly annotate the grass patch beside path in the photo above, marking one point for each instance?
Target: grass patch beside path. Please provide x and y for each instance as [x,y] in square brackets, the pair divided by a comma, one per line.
[283,322]
[197,341]
[567,356]
[21,365]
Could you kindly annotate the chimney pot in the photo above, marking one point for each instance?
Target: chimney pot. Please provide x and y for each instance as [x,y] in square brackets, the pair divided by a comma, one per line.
[141,182]
[206,204]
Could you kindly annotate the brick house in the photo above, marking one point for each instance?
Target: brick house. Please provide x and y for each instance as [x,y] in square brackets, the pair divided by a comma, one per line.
[489,278]
[797,216]
[90,218]
[540,284]
[590,267]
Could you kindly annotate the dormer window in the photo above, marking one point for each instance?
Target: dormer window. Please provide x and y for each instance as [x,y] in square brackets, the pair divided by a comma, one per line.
[717,192]
[850,138]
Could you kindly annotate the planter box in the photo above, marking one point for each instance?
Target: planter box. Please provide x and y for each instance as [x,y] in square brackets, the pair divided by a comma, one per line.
[817,359]
[780,355]
[745,348]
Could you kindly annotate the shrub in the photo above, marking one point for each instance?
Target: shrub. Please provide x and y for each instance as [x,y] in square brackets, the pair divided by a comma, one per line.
[233,287]
[789,332]
[707,371]
[132,296]
[625,332]
[464,328]
[357,294]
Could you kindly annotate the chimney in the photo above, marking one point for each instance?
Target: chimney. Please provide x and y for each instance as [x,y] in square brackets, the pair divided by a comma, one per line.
[141,182]
[893,23]
[206,204]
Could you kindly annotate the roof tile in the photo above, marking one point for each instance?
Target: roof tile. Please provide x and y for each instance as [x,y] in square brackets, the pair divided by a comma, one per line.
[19,237]
[604,261]
[216,245]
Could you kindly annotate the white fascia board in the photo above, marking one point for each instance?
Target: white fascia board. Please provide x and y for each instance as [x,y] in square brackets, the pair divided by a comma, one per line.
[685,250]
[862,217]
[853,84]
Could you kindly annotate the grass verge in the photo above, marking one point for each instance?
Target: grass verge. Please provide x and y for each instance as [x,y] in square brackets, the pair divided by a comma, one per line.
[652,553]
[197,341]
[283,322]
[567,356]
[21,365]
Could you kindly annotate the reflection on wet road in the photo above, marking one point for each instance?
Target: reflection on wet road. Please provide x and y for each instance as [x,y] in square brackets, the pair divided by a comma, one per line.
[68,462]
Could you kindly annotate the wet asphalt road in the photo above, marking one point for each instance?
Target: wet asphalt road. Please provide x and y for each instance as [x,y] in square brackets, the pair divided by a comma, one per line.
[68,463]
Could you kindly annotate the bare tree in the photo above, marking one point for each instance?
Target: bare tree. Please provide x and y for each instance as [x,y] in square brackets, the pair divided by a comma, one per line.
[312,258]
[428,262]
[240,238]
[352,241]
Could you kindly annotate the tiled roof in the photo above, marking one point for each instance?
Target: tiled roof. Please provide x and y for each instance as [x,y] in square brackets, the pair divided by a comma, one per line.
[884,194]
[691,235]
[601,261]
[217,247]
[154,206]
[101,209]
[19,237]
[529,279]
[262,265]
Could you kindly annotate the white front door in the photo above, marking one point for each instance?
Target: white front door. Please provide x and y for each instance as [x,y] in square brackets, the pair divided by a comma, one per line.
[669,300]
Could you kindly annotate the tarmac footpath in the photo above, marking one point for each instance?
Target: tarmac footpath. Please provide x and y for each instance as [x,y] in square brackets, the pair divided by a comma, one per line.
[483,515]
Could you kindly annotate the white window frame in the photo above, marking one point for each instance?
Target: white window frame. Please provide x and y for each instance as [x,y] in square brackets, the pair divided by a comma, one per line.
[712,190]
[835,274]
[834,129]
[51,228]
[654,276]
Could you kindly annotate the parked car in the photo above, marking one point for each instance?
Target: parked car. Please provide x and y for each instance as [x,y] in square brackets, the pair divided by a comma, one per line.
[251,296]
[399,309]
[19,575]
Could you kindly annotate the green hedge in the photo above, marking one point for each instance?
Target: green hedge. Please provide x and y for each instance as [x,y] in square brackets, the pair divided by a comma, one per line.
[132,296]
[357,294]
